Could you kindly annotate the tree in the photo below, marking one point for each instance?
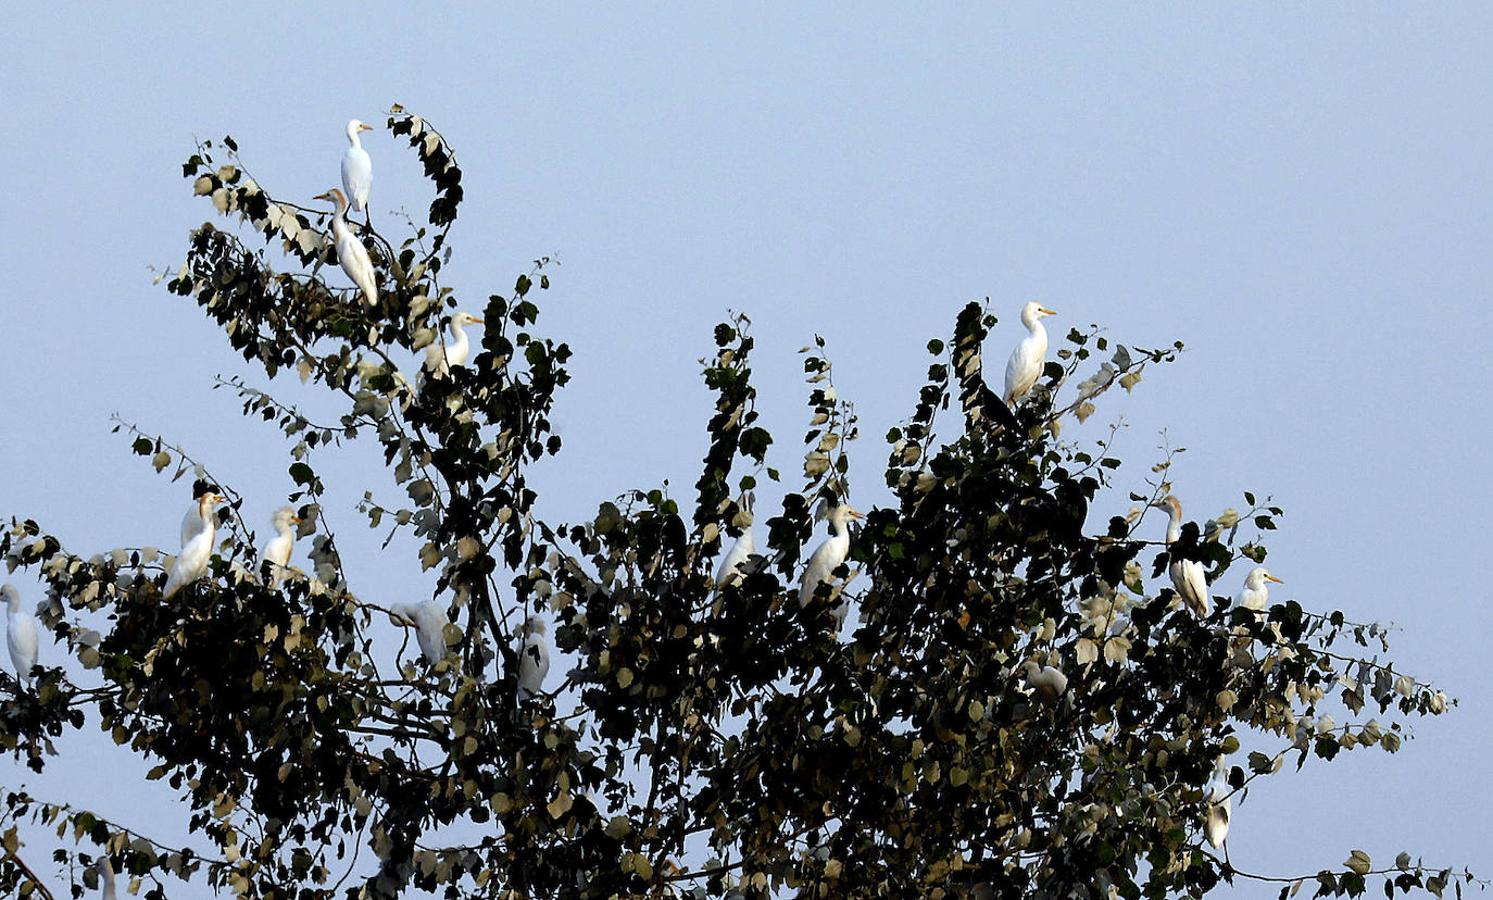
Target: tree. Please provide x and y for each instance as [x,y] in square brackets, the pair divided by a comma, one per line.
[717,741]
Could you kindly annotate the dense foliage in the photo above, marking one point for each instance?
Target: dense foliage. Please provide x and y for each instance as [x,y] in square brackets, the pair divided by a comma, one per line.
[693,740]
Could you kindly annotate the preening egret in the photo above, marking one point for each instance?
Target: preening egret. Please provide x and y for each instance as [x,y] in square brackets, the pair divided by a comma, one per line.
[350,250]
[196,550]
[1256,593]
[429,620]
[439,358]
[1029,356]
[730,572]
[828,556]
[277,551]
[106,878]
[533,659]
[1047,681]
[1187,574]
[20,633]
[357,168]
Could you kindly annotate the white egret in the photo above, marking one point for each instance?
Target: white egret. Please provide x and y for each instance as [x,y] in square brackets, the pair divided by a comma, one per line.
[357,168]
[277,551]
[197,549]
[429,620]
[106,878]
[1029,356]
[20,633]
[730,570]
[1187,574]
[439,358]
[533,659]
[828,556]
[1220,808]
[1256,593]
[1047,681]
[350,250]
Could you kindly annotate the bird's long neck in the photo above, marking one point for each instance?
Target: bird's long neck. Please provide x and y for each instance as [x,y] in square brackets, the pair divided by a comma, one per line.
[459,343]
[1254,582]
[339,219]
[1033,323]
[1174,525]
[352,137]
[205,513]
[12,601]
[837,527]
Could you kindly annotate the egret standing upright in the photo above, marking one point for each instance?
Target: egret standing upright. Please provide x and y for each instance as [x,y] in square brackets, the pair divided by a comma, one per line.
[197,549]
[357,169]
[533,659]
[20,634]
[277,551]
[828,557]
[439,358]
[1186,574]
[1027,359]
[350,251]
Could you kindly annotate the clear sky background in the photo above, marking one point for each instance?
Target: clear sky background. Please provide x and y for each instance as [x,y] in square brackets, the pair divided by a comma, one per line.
[1302,195]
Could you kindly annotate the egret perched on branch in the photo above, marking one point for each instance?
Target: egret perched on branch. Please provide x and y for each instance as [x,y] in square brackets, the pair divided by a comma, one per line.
[429,620]
[350,251]
[1256,593]
[1029,356]
[357,168]
[106,878]
[439,358]
[533,659]
[1047,681]
[277,551]
[1187,574]
[828,557]
[197,549]
[1220,808]
[20,633]
[730,572]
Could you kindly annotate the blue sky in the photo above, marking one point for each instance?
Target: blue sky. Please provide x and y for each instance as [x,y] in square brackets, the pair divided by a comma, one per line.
[1300,194]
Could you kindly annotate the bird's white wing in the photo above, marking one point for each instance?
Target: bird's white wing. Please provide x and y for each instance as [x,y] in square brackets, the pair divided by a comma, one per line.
[191,523]
[191,563]
[1196,590]
[729,570]
[1022,369]
[533,666]
[430,622]
[356,263]
[821,564]
[20,635]
[357,177]
[278,549]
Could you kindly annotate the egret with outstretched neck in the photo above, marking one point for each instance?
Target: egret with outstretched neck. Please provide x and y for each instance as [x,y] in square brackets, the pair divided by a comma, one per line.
[106,878]
[197,550]
[1255,594]
[357,168]
[1188,579]
[20,634]
[1029,356]
[351,253]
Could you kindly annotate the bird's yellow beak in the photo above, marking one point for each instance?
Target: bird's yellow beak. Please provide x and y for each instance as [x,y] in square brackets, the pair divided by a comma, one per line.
[295,520]
[1274,579]
[365,127]
[322,197]
[1046,312]
[857,515]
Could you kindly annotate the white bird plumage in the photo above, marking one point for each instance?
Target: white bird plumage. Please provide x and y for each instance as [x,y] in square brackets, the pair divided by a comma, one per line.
[828,557]
[1220,807]
[533,659]
[1029,356]
[197,549]
[1047,681]
[106,878]
[277,550]
[440,357]
[1255,594]
[351,253]
[729,571]
[429,620]
[20,633]
[1188,578]
[357,168]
